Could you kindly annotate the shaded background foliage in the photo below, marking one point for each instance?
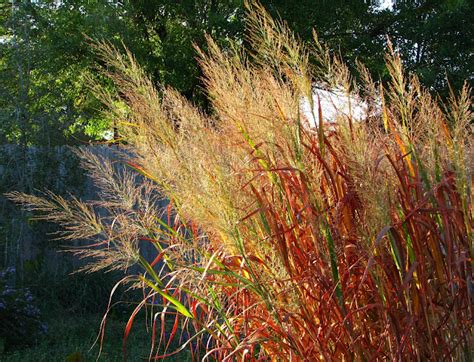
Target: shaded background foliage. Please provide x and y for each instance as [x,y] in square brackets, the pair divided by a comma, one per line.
[45,60]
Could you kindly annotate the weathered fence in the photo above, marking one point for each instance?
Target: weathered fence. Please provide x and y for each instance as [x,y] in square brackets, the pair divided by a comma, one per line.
[22,242]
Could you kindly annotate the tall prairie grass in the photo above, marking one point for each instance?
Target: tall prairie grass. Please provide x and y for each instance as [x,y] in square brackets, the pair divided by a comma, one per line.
[288,236]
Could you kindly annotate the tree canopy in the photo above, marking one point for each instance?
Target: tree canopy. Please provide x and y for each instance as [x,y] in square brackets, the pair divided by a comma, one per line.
[46,58]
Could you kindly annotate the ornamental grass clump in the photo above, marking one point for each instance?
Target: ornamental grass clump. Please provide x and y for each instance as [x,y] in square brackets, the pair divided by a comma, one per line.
[288,236]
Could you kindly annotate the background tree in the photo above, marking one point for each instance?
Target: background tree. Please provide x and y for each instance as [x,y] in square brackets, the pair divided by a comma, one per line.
[172,28]
[45,59]
[355,29]
[436,39]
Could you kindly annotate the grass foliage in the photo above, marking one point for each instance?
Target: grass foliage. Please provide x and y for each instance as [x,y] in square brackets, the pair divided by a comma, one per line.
[282,241]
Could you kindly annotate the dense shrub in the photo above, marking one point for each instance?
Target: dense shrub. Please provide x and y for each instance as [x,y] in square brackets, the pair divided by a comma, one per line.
[288,236]
[20,317]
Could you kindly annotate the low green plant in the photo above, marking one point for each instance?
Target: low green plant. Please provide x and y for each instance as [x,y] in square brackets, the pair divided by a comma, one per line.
[287,236]
[21,323]
[71,337]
